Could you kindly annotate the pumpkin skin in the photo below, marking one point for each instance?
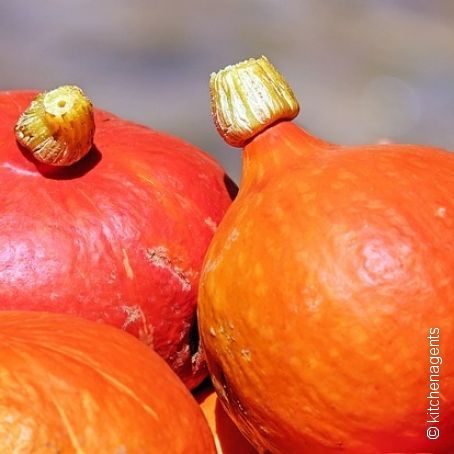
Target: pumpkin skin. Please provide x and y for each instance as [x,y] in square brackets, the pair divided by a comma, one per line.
[71,385]
[227,437]
[319,291]
[118,237]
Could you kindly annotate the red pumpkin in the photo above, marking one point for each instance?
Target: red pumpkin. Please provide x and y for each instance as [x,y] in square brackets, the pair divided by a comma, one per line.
[119,237]
[70,385]
[326,303]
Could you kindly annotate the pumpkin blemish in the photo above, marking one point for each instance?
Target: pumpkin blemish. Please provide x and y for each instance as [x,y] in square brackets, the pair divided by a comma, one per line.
[158,256]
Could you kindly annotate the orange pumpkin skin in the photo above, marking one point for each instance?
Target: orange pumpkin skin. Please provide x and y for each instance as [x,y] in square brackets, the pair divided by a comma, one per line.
[319,290]
[71,385]
[227,437]
[118,237]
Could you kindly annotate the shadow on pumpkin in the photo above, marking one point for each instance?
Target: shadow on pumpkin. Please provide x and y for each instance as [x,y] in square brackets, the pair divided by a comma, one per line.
[228,438]
[76,170]
[231,187]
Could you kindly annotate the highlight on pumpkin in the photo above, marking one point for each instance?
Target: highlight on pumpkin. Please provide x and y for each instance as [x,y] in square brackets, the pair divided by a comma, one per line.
[58,126]
[248,97]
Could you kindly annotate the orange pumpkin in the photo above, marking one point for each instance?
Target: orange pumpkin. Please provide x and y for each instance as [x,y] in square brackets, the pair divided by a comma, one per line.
[326,302]
[227,437]
[70,385]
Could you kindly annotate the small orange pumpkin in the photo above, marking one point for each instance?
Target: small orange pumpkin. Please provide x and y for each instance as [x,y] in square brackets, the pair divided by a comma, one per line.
[326,303]
[70,385]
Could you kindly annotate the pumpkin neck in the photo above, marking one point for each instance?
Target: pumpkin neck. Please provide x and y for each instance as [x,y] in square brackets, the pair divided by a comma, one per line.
[277,148]
[252,106]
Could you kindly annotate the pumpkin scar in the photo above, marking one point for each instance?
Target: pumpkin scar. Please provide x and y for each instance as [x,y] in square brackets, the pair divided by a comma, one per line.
[159,257]
[71,434]
[133,313]
[127,265]
[19,171]
[246,354]
[211,223]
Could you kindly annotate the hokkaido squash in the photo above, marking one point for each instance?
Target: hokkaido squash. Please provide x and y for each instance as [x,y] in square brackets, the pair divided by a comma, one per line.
[227,437]
[117,237]
[326,302]
[71,385]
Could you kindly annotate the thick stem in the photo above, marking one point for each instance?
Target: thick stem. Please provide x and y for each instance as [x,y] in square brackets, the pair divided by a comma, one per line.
[58,126]
[249,97]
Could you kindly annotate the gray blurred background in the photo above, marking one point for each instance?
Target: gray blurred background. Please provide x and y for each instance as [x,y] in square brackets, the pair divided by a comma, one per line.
[363,70]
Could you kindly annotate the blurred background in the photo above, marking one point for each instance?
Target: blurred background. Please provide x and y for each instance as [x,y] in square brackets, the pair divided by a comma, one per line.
[363,70]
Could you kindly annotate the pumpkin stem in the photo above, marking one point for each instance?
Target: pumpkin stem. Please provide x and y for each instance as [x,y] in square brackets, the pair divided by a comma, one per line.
[248,97]
[58,126]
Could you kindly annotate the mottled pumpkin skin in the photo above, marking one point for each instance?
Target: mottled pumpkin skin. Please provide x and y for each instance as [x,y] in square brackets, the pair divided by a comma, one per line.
[227,437]
[70,385]
[118,237]
[320,288]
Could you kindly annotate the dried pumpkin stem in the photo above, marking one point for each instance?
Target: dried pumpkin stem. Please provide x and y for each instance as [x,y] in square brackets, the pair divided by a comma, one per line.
[58,126]
[248,97]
